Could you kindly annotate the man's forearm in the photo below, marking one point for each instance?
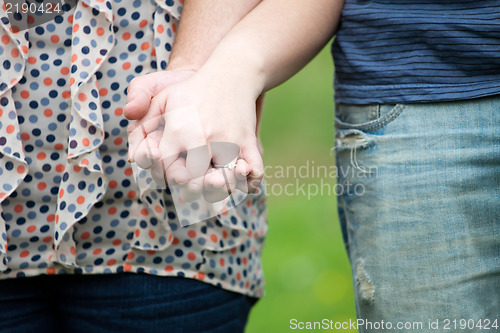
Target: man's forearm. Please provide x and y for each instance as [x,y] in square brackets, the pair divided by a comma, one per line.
[203,24]
[274,41]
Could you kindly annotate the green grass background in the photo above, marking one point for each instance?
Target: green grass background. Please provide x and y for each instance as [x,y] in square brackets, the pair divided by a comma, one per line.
[305,265]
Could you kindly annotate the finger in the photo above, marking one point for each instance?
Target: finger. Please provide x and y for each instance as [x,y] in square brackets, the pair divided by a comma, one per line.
[177,173]
[241,172]
[183,132]
[148,150]
[251,155]
[197,164]
[140,91]
[140,133]
[216,186]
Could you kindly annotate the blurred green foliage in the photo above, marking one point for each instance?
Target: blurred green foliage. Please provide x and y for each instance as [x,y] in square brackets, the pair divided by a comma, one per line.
[307,272]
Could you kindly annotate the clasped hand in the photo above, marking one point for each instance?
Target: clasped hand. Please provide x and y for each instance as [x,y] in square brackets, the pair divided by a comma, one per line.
[193,132]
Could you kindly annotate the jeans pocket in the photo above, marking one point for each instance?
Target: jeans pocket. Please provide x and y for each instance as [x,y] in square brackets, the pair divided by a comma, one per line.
[366,118]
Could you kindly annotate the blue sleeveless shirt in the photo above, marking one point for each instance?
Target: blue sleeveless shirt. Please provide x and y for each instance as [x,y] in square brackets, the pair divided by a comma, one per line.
[395,51]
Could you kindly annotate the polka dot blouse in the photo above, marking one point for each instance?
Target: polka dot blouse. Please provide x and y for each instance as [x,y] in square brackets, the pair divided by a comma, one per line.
[69,200]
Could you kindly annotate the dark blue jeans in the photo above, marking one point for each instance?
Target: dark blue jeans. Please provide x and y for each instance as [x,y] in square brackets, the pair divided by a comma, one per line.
[119,303]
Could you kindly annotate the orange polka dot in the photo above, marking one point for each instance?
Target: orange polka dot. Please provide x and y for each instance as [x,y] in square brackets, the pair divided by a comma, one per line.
[80,199]
[125,36]
[97,251]
[5,39]
[54,38]
[24,254]
[112,211]
[201,276]
[51,271]
[31,60]
[137,232]
[131,194]
[126,65]
[100,31]
[111,262]
[158,209]
[47,81]
[15,53]
[143,23]
[130,255]
[128,172]
[117,242]
[10,129]
[152,234]
[144,212]
[25,136]
[18,208]
[21,169]
[65,71]
[41,156]
[191,256]
[113,184]
[47,113]
[118,141]
[222,262]
[191,233]
[76,26]
[85,142]
[85,162]
[72,250]
[58,146]
[160,29]
[127,267]
[24,94]
[118,112]
[103,92]
[175,241]
[66,94]
[169,269]
[51,218]
[213,238]
[60,168]
[145,46]
[85,235]
[41,186]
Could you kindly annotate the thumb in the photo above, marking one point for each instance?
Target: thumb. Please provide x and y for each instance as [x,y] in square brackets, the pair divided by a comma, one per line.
[139,94]
[251,155]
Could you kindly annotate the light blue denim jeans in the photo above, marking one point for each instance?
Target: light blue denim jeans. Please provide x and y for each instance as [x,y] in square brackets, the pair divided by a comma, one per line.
[420,213]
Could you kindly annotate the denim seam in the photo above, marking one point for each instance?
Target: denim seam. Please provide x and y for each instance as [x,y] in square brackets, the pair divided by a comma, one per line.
[376,124]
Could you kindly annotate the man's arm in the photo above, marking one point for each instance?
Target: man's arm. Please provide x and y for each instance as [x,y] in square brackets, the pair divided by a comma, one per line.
[273,42]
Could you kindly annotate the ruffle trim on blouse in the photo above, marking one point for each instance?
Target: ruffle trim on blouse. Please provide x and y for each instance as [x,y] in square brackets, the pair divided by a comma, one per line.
[13,167]
[86,129]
